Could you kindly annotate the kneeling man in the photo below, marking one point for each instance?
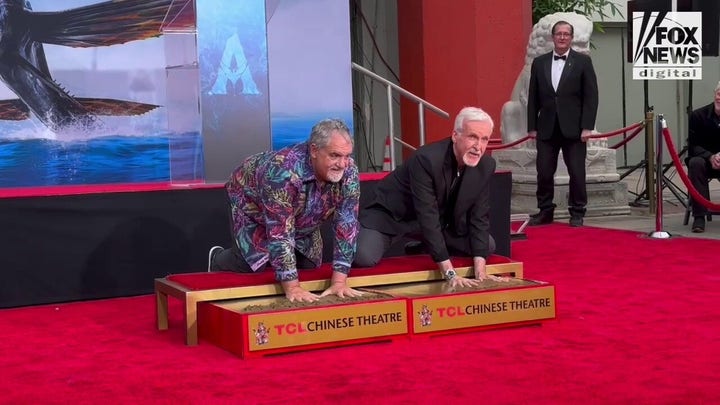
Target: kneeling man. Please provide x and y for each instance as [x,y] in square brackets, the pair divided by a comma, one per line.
[279,199]
[440,196]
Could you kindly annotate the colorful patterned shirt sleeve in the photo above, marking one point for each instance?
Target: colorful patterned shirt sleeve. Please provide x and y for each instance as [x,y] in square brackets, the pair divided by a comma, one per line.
[345,221]
[279,191]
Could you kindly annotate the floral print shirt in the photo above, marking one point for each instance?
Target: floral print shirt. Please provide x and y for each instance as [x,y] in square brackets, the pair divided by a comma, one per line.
[278,206]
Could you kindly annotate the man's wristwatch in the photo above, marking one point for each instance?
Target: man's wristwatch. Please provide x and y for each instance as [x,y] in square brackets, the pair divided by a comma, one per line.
[449,274]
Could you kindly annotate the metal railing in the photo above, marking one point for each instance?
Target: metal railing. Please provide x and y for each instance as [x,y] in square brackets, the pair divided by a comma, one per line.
[422,105]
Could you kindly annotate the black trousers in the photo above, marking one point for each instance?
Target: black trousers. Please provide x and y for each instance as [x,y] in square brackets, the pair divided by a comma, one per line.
[700,172]
[232,260]
[574,154]
[372,245]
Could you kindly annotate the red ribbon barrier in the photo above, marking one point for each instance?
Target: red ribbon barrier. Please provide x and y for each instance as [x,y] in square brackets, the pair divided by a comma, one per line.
[638,125]
[617,132]
[628,139]
[684,177]
[508,145]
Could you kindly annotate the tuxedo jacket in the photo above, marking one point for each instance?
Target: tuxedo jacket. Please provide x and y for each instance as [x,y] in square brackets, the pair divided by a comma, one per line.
[574,103]
[417,193]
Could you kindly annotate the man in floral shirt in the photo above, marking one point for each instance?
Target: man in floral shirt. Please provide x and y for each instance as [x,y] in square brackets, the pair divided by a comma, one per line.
[278,201]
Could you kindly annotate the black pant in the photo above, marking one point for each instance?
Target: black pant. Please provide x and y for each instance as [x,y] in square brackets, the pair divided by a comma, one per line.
[372,245]
[574,154]
[700,172]
[232,260]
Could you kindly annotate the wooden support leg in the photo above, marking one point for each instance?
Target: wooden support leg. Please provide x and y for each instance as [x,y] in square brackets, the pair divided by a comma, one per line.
[161,308]
[191,329]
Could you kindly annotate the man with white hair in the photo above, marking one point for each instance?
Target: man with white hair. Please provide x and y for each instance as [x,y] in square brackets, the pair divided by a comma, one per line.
[704,154]
[440,196]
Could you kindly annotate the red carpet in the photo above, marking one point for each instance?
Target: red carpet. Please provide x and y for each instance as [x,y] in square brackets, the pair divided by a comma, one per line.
[637,322]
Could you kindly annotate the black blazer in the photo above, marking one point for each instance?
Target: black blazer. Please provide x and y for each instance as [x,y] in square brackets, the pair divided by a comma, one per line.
[575,103]
[417,193]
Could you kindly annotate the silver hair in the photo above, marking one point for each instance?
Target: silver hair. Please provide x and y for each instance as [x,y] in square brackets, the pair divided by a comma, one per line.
[717,87]
[472,114]
[320,134]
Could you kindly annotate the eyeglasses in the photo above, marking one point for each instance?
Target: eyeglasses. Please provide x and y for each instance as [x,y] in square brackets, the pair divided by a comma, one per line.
[562,34]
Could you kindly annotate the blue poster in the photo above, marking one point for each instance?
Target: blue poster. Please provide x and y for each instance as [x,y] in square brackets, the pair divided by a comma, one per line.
[137,91]
[232,47]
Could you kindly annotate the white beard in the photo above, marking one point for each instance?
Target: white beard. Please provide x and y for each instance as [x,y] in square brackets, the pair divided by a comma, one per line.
[335,176]
[470,160]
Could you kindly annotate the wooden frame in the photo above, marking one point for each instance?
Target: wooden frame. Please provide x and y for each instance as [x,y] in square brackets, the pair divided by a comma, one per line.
[191,298]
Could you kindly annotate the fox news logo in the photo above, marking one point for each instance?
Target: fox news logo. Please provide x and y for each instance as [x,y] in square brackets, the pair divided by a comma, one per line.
[667,46]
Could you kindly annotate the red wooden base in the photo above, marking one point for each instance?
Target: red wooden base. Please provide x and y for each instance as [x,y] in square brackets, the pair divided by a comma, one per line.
[435,310]
[403,311]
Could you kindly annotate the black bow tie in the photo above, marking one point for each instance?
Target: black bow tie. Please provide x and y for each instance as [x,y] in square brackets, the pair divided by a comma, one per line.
[555,57]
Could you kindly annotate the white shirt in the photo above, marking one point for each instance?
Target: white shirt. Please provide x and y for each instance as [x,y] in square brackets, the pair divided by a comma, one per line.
[557,67]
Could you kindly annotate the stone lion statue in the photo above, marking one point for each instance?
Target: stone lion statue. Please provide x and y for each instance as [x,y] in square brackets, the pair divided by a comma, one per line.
[513,122]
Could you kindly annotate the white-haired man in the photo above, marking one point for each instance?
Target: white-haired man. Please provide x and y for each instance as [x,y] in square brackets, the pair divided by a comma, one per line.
[440,196]
[704,154]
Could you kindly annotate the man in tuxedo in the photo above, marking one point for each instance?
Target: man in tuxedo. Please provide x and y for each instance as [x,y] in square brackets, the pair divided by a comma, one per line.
[440,196]
[704,154]
[562,106]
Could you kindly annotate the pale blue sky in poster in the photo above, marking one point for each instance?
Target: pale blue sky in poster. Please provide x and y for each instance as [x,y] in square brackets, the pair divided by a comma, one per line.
[309,57]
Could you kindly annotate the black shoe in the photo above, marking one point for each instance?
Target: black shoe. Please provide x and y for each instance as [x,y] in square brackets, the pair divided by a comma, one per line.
[576,221]
[541,218]
[211,256]
[698,225]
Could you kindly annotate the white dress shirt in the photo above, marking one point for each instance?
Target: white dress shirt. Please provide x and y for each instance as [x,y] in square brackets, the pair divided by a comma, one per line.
[557,67]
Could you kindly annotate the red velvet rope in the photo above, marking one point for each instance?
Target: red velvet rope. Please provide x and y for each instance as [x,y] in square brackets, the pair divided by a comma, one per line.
[508,145]
[628,139]
[685,179]
[617,132]
[637,125]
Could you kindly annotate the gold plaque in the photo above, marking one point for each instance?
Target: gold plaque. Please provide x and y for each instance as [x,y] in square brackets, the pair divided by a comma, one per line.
[272,323]
[437,308]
